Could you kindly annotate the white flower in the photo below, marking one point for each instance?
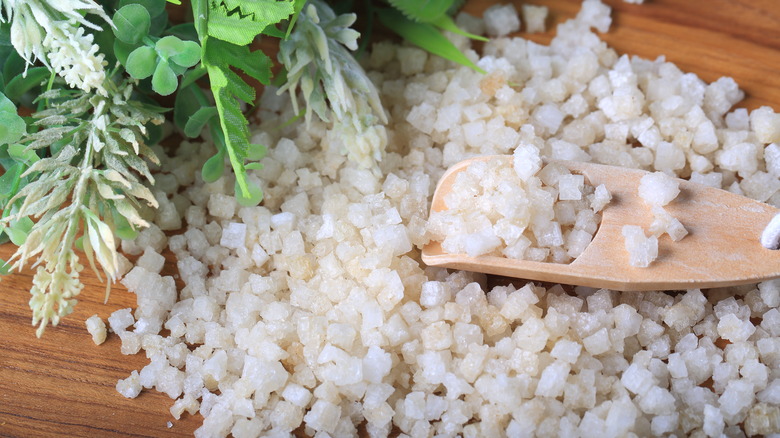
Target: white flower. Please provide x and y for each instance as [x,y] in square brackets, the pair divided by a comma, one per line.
[27,37]
[73,56]
[65,49]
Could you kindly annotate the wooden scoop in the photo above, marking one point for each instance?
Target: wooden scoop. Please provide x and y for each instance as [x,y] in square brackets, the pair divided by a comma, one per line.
[721,249]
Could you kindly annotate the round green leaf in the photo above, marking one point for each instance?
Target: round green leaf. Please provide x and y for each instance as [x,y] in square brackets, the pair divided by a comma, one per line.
[213,168]
[18,230]
[131,23]
[164,80]
[141,62]
[189,55]
[121,51]
[250,199]
[169,46]
[154,7]
[22,154]
[179,70]
[16,88]
[159,23]
[9,181]
[12,127]
[188,101]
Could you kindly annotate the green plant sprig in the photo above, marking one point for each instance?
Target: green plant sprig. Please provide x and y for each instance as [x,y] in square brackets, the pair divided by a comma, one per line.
[163,59]
[76,174]
[226,31]
[93,181]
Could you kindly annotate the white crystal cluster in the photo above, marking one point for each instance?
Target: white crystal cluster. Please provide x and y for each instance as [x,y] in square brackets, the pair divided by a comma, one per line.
[314,313]
[519,209]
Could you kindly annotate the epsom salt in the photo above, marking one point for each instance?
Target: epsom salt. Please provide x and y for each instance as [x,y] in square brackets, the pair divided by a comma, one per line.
[317,316]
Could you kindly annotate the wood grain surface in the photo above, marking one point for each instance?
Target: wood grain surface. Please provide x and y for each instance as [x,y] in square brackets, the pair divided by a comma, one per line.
[63,385]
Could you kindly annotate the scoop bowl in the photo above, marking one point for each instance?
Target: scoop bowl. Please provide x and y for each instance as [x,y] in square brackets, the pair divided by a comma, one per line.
[722,248]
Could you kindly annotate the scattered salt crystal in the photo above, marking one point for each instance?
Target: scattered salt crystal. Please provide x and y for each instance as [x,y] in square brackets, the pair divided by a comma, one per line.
[570,187]
[534,18]
[120,320]
[501,20]
[97,328]
[733,329]
[770,236]
[658,189]
[129,387]
[233,235]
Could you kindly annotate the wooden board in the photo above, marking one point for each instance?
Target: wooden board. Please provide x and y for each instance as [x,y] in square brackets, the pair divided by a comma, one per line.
[64,385]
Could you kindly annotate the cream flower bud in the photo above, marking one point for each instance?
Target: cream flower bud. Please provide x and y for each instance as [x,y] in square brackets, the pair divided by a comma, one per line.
[26,37]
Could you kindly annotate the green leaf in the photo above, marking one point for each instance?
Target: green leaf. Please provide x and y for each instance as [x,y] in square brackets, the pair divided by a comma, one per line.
[445,22]
[164,79]
[154,133]
[19,229]
[122,51]
[426,36]
[297,8]
[184,31]
[232,30]
[251,197]
[189,55]
[232,25]
[199,120]
[240,21]
[213,168]
[5,267]
[12,126]
[9,181]
[154,7]
[188,100]
[142,62]
[131,23]
[168,46]
[159,24]
[267,12]
[422,11]
[225,55]
[22,84]
[13,65]
[20,153]
[256,152]
[273,31]
[177,69]
[200,9]
[5,34]
[190,76]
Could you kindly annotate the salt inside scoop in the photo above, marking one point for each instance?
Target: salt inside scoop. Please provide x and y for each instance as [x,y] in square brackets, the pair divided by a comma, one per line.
[524,209]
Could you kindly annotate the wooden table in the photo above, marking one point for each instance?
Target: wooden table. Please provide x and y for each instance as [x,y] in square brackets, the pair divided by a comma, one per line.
[64,385]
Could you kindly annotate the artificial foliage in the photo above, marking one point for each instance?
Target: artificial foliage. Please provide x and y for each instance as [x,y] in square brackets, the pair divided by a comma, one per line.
[94,76]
